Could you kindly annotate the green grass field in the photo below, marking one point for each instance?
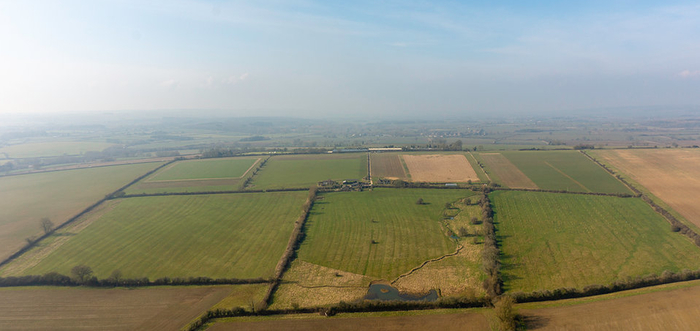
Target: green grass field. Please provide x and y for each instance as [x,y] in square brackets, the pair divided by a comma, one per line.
[562,240]
[206,169]
[565,170]
[342,227]
[236,235]
[305,170]
[59,195]
[39,149]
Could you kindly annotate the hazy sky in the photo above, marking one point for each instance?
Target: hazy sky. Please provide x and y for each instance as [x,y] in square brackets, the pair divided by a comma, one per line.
[311,58]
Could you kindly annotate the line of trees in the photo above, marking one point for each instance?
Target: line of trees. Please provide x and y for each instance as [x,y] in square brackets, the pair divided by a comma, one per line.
[345,307]
[619,195]
[294,241]
[137,195]
[255,172]
[493,283]
[83,276]
[676,225]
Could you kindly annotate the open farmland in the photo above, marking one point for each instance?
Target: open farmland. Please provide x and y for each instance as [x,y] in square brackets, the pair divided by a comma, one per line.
[59,195]
[505,172]
[676,309]
[381,233]
[218,236]
[205,175]
[565,170]
[673,175]
[562,240]
[387,165]
[440,168]
[50,308]
[56,148]
[290,171]
[205,169]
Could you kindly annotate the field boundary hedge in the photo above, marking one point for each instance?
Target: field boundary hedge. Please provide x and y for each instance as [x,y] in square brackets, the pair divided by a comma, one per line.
[294,240]
[666,277]
[617,195]
[345,307]
[162,194]
[116,193]
[56,279]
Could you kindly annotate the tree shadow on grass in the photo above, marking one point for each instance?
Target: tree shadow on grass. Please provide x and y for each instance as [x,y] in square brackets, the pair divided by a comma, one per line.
[507,270]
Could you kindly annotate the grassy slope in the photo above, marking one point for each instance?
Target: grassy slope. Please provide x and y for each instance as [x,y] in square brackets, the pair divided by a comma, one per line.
[59,195]
[238,235]
[202,169]
[340,230]
[561,240]
[579,173]
[307,170]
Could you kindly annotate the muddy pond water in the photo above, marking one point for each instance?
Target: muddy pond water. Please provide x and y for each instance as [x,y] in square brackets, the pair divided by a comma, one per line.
[386,293]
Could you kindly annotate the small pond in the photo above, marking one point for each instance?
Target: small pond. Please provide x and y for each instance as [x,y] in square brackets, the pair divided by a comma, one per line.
[387,292]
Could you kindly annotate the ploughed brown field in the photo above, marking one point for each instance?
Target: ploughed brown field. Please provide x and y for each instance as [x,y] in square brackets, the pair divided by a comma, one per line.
[673,175]
[162,308]
[506,171]
[387,165]
[677,309]
[441,168]
[447,322]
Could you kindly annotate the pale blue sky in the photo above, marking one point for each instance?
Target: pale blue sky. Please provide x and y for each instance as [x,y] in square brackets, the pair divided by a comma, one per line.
[316,58]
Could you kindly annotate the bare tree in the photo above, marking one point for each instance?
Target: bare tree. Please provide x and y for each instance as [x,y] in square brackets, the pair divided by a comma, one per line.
[116,276]
[463,232]
[46,225]
[81,273]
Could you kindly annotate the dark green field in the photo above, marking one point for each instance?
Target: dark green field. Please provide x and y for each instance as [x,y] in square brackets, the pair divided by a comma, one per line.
[287,171]
[381,233]
[236,235]
[563,240]
[565,170]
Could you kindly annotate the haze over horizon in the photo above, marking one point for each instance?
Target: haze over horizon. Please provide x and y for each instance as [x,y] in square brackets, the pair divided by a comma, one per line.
[321,58]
